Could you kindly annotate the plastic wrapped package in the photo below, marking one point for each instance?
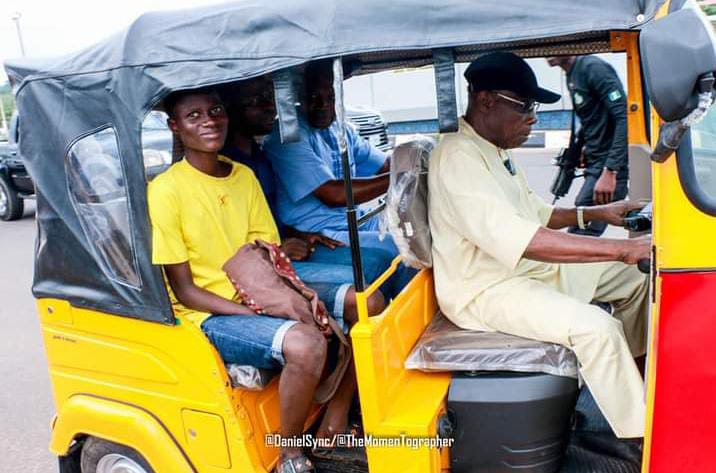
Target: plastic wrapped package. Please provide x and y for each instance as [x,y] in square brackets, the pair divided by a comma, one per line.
[249,377]
[446,347]
[406,203]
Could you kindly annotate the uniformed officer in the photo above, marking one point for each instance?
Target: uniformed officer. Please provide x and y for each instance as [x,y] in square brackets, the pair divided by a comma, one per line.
[599,101]
[500,263]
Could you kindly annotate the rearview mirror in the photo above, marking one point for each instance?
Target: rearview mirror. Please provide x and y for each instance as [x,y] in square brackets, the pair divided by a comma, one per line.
[676,52]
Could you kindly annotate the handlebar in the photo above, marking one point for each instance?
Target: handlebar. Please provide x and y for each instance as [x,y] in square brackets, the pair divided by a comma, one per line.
[644,265]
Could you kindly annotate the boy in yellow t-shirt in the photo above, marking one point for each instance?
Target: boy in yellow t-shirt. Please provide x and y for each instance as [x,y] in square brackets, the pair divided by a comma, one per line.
[203,209]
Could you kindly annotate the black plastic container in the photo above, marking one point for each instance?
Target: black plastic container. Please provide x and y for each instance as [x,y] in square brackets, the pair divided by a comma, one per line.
[510,422]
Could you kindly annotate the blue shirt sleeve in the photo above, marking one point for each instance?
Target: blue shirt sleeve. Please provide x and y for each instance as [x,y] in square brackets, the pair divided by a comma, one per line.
[368,159]
[296,165]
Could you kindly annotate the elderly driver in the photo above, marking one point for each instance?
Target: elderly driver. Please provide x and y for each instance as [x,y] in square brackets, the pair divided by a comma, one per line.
[501,265]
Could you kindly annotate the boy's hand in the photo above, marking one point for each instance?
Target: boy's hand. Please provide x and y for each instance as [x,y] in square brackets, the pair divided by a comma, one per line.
[315,238]
[322,323]
[295,249]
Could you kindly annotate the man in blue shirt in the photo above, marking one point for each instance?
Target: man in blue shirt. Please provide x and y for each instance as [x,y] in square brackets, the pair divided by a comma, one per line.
[317,258]
[311,192]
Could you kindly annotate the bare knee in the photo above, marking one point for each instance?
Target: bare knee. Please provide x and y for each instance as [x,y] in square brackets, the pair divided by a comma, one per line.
[375,302]
[305,348]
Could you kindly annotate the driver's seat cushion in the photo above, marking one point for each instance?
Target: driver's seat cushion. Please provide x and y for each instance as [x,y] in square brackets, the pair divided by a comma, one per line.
[446,347]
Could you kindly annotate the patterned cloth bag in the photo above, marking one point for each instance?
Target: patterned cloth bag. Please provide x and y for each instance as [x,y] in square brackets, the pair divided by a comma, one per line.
[267,283]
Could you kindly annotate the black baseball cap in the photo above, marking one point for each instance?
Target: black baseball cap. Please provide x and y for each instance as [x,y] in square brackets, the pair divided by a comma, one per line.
[507,71]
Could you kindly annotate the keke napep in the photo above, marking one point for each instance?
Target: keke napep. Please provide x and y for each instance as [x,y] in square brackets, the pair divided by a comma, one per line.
[138,389]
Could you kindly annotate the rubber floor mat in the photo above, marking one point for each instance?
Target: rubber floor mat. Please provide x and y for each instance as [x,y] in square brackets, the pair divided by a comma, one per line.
[593,447]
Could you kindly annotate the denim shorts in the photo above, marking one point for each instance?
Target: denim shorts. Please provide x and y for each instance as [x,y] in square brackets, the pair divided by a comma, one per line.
[257,340]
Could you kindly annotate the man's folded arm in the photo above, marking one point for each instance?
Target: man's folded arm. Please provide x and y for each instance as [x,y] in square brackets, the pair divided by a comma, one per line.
[333,193]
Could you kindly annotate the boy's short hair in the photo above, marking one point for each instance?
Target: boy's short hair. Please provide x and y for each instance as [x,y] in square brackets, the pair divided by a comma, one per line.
[170,101]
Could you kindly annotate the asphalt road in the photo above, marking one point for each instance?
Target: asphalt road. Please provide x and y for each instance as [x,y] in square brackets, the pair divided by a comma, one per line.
[26,405]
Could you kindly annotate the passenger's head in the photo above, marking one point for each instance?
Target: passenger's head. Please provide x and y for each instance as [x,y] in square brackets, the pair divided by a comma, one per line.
[319,99]
[251,106]
[198,118]
[565,62]
[503,98]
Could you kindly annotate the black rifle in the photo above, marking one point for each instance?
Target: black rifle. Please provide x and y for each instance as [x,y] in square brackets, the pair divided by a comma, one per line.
[567,162]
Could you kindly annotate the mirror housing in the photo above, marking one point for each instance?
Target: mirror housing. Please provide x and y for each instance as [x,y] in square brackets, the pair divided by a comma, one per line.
[676,51]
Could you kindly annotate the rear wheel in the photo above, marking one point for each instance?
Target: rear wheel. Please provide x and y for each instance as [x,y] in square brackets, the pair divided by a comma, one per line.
[102,456]
[11,205]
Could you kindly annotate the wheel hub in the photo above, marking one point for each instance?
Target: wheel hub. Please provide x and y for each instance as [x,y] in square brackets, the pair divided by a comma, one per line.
[3,201]
[116,463]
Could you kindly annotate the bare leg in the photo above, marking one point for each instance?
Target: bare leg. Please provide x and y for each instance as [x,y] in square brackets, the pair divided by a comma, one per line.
[304,349]
[376,305]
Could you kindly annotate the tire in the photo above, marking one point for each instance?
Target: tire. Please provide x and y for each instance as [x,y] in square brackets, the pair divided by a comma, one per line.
[11,205]
[103,456]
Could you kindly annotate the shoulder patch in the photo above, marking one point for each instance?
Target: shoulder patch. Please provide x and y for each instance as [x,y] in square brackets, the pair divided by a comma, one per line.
[614,95]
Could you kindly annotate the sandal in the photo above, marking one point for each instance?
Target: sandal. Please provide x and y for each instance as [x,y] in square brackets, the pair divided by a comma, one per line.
[342,449]
[299,464]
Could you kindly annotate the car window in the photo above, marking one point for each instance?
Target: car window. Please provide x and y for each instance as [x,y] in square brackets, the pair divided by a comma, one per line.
[99,194]
[157,144]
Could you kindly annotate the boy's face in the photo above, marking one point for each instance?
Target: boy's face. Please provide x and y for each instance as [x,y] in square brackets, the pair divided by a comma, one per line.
[200,122]
[255,107]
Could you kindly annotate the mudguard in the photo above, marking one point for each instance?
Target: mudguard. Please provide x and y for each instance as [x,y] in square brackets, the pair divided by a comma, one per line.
[121,423]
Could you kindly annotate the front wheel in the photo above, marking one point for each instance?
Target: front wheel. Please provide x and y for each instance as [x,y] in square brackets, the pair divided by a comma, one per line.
[103,456]
[11,205]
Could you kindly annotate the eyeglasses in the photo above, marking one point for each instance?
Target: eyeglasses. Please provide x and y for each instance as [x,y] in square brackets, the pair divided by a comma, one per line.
[525,108]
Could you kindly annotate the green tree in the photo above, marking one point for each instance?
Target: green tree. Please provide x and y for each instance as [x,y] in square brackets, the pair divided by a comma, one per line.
[708,9]
[8,103]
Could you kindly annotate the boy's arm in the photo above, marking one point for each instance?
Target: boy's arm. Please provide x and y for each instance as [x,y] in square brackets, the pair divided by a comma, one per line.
[196,298]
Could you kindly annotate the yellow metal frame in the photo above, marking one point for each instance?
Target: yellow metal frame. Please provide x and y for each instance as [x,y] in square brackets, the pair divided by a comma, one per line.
[395,401]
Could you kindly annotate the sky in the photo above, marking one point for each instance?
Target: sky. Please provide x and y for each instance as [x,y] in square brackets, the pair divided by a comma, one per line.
[54,28]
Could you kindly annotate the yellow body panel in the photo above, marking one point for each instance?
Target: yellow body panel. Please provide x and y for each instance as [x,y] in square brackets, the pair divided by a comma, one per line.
[682,232]
[396,401]
[206,437]
[159,389]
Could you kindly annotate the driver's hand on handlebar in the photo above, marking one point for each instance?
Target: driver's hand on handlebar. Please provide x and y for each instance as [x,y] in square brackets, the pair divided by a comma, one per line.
[636,250]
[615,212]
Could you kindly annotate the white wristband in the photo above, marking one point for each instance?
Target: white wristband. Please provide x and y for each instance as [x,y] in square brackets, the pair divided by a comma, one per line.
[580,218]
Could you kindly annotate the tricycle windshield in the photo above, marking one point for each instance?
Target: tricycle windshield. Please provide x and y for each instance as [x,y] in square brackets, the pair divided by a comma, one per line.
[703,140]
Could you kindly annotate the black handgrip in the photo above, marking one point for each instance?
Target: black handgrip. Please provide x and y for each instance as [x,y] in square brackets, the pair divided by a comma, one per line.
[644,265]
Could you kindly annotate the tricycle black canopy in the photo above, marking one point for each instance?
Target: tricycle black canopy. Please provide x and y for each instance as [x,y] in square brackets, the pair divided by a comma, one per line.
[82,113]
